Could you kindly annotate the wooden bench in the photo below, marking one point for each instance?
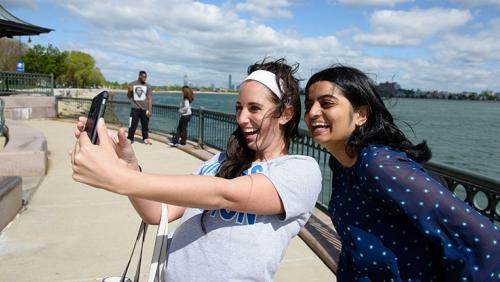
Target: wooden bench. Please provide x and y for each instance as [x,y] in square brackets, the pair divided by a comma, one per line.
[320,235]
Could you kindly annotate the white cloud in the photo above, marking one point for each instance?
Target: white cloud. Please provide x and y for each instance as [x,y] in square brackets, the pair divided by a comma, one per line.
[478,2]
[410,28]
[429,74]
[449,77]
[481,48]
[206,42]
[10,4]
[266,8]
[172,38]
[390,3]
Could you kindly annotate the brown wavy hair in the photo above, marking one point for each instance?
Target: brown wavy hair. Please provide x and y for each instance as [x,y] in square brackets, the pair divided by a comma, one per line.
[187,93]
[238,156]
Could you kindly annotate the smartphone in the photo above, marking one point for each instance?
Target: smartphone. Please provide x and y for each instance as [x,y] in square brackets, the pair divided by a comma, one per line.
[96,111]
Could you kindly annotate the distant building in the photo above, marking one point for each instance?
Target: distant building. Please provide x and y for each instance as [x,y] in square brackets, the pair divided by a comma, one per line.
[388,89]
[185,80]
[230,82]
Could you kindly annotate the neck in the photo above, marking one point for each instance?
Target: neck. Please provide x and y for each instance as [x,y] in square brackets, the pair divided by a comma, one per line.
[340,154]
[267,155]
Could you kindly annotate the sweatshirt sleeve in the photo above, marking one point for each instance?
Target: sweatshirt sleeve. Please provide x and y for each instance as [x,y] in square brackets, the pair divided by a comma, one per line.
[297,180]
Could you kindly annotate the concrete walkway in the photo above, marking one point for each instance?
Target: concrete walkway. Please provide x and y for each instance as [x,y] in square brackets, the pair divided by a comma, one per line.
[69,232]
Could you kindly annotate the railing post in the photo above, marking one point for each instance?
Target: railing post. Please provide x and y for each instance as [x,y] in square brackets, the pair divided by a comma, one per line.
[2,120]
[201,122]
[57,107]
[52,84]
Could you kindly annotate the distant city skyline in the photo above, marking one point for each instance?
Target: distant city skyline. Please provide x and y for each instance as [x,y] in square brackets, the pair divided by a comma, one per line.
[430,45]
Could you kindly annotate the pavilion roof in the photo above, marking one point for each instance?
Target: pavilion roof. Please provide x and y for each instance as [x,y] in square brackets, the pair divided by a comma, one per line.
[11,26]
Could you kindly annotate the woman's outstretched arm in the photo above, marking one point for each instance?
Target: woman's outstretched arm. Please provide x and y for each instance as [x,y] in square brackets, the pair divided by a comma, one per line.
[100,166]
[150,211]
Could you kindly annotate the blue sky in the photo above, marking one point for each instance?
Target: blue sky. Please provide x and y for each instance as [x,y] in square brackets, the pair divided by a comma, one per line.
[429,45]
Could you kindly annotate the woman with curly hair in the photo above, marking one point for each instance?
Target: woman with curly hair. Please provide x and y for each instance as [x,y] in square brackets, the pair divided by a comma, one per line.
[241,208]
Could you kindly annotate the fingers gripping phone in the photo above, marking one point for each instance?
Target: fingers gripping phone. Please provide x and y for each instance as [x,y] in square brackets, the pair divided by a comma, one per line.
[96,111]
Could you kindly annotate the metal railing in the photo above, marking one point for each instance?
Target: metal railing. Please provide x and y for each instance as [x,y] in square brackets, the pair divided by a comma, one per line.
[12,83]
[480,192]
[214,128]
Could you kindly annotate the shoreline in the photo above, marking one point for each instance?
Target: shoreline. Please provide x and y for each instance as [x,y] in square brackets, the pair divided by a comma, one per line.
[90,93]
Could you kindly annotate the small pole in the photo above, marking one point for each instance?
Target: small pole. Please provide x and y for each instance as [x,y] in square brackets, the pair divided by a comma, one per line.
[52,84]
[57,106]
[200,126]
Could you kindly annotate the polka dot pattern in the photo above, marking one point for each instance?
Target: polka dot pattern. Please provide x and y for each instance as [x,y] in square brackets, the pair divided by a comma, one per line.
[396,223]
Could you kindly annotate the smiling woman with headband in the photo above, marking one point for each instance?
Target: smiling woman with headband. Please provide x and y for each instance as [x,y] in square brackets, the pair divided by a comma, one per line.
[241,208]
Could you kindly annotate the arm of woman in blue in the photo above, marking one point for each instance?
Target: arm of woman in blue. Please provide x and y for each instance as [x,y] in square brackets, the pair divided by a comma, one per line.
[468,239]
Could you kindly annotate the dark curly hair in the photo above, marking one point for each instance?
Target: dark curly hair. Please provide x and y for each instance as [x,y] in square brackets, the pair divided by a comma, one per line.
[379,128]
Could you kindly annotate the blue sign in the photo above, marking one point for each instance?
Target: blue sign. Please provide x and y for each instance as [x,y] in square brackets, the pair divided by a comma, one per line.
[20,66]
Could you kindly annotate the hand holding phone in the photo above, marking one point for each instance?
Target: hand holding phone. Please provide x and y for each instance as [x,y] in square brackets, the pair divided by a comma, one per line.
[96,111]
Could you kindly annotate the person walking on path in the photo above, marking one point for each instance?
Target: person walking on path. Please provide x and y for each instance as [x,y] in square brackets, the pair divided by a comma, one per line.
[395,222]
[185,116]
[141,101]
[241,208]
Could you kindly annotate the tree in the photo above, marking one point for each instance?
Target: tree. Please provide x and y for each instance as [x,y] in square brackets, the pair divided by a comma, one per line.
[80,70]
[11,51]
[48,60]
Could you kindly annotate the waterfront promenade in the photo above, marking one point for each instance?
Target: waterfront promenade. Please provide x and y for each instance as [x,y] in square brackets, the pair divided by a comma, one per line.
[69,232]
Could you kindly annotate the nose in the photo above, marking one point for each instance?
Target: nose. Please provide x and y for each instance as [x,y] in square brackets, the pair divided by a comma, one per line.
[314,111]
[242,117]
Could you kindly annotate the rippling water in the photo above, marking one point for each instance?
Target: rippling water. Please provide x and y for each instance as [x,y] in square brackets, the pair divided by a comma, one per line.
[463,134]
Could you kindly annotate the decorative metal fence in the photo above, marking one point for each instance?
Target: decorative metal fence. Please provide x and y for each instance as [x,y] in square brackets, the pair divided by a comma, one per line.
[12,83]
[213,129]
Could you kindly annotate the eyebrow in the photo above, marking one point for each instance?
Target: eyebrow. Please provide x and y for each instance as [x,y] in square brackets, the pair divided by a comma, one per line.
[329,95]
[255,104]
[250,104]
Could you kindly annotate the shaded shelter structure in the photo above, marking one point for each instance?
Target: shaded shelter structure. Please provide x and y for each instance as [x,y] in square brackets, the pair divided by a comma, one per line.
[11,26]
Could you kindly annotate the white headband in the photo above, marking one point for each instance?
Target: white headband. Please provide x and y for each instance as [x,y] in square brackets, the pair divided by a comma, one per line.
[268,79]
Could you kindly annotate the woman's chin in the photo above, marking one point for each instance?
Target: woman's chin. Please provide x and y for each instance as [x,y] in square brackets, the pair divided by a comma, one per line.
[321,139]
[252,145]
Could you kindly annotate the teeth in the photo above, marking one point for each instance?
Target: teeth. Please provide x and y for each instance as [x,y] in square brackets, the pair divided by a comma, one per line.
[320,124]
[249,130]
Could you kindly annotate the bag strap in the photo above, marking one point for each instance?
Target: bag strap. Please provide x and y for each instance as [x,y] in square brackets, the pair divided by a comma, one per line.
[159,250]
[138,268]
[142,231]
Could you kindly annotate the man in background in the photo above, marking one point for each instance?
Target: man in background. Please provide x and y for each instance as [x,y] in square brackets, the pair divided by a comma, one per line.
[141,99]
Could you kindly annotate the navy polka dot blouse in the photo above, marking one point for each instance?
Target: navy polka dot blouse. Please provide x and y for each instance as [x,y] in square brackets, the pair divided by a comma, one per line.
[396,223]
